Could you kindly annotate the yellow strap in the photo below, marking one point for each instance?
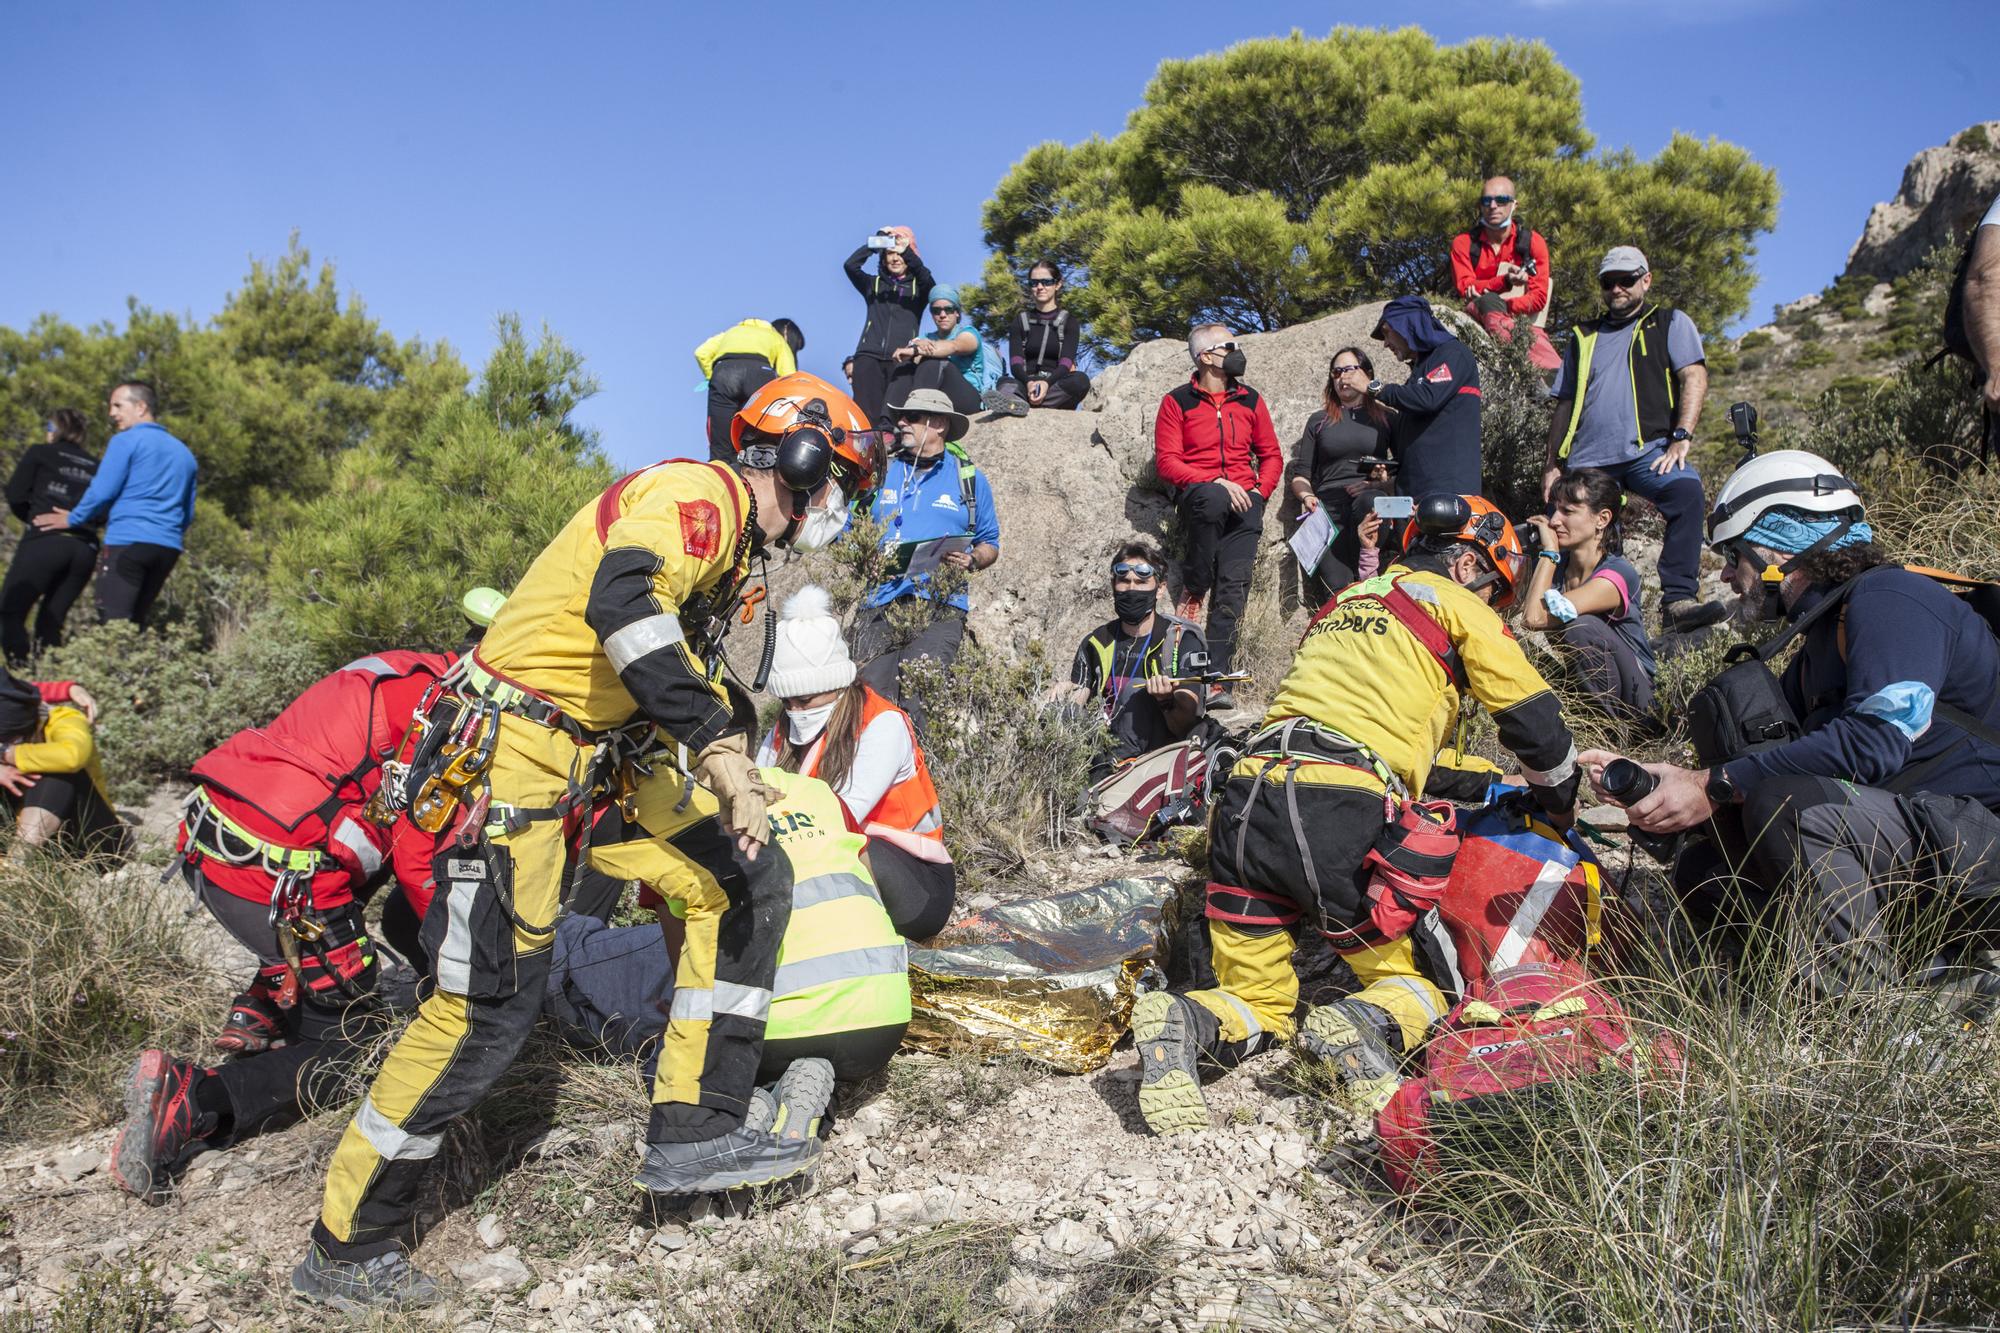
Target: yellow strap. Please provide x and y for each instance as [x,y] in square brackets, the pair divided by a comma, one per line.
[270,853]
[1562,1008]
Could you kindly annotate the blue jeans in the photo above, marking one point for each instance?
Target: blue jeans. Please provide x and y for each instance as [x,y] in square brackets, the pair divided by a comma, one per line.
[1677,495]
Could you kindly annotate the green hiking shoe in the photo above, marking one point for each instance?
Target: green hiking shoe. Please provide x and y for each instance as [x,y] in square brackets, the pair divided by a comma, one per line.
[386,1281]
[1167,1030]
[1359,1041]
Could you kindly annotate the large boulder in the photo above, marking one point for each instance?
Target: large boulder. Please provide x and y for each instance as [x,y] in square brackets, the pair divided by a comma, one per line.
[1944,193]
[1071,485]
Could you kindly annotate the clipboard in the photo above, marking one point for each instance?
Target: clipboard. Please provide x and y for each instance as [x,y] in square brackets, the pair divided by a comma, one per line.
[918,559]
[1315,533]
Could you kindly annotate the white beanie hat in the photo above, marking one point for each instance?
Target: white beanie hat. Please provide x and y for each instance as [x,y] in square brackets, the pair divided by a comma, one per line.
[811,656]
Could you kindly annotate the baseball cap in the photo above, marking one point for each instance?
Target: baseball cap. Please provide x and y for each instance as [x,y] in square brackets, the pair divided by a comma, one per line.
[1624,259]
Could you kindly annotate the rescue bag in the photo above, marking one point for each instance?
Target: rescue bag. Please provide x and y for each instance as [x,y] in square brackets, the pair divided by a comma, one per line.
[1519,893]
[1129,805]
[1492,1069]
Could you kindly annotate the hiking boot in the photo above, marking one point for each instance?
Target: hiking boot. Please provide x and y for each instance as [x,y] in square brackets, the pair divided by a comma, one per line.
[163,1126]
[742,1158]
[1190,605]
[1358,1040]
[994,401]
[1167,1029]
[386,1281]
[254,1024]
[1688,614]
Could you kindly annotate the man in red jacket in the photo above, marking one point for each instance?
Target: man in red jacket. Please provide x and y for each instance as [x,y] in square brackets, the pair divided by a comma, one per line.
[1501,268]
[277,843]
[1213,443]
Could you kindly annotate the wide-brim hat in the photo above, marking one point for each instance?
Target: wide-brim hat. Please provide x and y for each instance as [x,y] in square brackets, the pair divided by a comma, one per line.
[935,400]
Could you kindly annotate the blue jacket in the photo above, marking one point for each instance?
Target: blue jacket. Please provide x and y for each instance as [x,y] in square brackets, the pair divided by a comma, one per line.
[1436,436]
[921,502]
[1869,713]
[146,481]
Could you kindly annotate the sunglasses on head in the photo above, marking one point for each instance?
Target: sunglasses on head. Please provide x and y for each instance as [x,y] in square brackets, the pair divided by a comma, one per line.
[1044,282]
[1609,280]
[1488,199]
[1136,568]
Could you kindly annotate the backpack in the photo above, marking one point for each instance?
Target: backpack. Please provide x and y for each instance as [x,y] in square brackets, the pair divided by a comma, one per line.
[1126,806]
[1023,326]
[1520,892]
[1496,1060]
[1743,710]
[991,366]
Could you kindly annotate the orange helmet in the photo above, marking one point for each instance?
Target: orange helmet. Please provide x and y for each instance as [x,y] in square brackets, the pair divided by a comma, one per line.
[807,431]
[1445,519]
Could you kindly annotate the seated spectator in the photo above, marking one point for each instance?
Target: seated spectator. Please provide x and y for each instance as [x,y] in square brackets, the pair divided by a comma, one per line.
[737,362]
[1585,594]
[1214,443]
[1501,268]
[1138,664]
[1041,352]
[1436,439]
[938,520]
[49,567]
[836,729]
[1975,307]
[1628,397]
[895,294]
[52,781]
[1338,465]
[949,362]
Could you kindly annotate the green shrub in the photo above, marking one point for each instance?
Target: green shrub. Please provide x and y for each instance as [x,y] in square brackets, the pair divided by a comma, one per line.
[102,1300]
[1813,356]
[1754,339]
[1973,139]
[1513,418]
[90,973]
[1009,766]
[1933,414]
[1809,329]
[164,701]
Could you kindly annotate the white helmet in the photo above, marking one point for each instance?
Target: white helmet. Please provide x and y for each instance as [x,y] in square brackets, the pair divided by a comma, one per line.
[1782,479]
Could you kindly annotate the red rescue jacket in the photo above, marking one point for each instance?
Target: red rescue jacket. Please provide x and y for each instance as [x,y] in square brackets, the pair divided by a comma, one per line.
[1475,267]
[302,781]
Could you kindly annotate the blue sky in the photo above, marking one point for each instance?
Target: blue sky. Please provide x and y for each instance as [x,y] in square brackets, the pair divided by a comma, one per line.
[638,176]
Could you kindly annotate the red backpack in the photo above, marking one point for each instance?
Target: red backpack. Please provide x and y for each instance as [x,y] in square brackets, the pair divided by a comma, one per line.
[1522,1030]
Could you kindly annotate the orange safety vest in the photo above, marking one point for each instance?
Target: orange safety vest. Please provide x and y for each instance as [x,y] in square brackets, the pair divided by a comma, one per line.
[908,813]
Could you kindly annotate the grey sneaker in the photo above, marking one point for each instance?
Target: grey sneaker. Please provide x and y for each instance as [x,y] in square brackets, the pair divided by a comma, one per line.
[387,1281]
[793,1108]
[740,1159]
[1688,614]
[1166,1030]
[1355,1038]
[763,1111]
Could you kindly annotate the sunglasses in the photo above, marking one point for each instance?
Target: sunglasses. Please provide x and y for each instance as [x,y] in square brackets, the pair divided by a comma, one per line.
[917,418]
[944,310]
[1486,200]
[1218,347]
[1136,568]
[1342,370]
[1609,280]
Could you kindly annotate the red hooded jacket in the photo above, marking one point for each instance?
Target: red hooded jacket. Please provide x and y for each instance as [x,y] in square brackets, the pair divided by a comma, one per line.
[1201,436]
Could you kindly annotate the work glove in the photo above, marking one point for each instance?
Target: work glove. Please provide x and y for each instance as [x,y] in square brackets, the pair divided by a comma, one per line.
[725,768]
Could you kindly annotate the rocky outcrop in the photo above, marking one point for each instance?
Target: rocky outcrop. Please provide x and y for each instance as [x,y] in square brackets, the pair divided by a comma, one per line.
[1945,191]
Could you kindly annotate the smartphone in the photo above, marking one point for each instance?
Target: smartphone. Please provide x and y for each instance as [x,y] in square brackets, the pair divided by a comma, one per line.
[881,241]
[1395,506]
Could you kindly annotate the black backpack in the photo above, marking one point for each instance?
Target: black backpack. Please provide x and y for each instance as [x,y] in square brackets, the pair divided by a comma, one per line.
[1743,710]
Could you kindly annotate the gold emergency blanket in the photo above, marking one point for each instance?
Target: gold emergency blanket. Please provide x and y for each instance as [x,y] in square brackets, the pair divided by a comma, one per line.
[1051,978]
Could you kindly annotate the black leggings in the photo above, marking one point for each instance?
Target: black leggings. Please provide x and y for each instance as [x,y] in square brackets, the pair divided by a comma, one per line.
[51,569]
[932,374]
[129,579]
[1067,389]
[733,381]
[871,386]
[917,894]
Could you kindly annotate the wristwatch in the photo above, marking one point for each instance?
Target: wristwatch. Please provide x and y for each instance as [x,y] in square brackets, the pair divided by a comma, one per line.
[1719,789]
[1553,557]
[1680,433]
[1374,387]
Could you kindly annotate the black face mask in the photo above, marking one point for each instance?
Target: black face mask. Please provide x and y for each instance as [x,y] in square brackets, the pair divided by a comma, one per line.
[1134,604]
[1234,363]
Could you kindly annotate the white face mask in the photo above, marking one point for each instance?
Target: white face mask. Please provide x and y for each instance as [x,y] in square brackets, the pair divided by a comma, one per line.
[822,524]
[806,723]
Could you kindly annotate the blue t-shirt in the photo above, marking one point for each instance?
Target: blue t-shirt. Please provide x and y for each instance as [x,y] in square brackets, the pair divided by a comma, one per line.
[147,482]
[1629,619]
[1608,428]
[921,502]
[967,362]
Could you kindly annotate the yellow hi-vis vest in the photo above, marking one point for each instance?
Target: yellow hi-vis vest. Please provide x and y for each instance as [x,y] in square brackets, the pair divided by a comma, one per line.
[842,966]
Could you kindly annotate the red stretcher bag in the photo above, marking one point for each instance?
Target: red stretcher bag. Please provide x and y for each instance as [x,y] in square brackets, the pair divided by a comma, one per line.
[1495,1062]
